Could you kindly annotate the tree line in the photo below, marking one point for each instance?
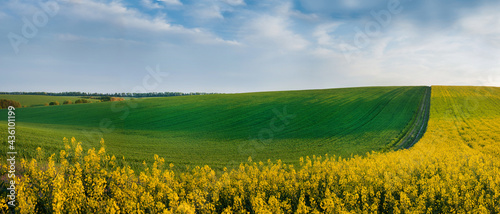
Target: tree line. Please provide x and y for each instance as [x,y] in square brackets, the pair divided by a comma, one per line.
[137,95]
[86,100]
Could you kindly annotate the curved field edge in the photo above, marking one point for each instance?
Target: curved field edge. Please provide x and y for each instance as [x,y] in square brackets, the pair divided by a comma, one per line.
[224,130]
[419,123]
[453,169]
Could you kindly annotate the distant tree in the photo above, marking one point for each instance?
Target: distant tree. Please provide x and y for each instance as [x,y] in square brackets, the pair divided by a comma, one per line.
[46,104]
[81,101]
[55,103]
[67,102]
[86,95]
[105,98]
[4,103]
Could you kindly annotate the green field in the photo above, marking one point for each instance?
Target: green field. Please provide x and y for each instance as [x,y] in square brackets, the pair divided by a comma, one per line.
[39,100]
[224,130]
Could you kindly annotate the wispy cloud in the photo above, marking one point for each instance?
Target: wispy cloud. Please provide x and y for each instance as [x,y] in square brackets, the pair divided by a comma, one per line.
[237,45]
[171,2]
[150,4]
[117,17]
[273,32]
[234,2]
[482,24]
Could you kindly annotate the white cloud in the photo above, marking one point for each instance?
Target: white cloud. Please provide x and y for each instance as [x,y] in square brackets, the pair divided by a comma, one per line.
[208,10]
[484,24]
[330,43]
[286,10]
[119,17]
[22,8]
[150,4]
[323,33]
[272,32]
[234,2]
[171,2]
[230,47]
[204,12]
[351,3]
[67,37]
[409,54]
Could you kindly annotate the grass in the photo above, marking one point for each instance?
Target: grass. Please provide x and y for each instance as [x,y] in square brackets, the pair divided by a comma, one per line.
[224,130]
[39,100]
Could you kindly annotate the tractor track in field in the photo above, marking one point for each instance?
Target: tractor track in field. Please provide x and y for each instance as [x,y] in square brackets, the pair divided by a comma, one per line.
[419,126]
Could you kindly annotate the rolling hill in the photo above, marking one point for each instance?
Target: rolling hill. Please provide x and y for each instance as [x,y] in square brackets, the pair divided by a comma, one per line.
[224,130]
[452,169]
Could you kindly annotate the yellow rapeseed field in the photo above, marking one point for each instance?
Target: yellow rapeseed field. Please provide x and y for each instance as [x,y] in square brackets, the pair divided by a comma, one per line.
[454,168]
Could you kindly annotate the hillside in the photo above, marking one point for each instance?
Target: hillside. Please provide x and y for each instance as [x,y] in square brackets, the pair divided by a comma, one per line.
[224,130]
[39,100]
[453,169]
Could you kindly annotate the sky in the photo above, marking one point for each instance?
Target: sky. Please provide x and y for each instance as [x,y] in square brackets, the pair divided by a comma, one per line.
[232,46]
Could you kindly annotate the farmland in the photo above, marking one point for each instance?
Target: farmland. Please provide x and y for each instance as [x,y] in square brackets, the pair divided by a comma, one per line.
[452,169]
[224,130]
[39,100]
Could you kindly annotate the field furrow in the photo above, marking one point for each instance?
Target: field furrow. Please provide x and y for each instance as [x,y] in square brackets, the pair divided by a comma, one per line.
[217,129]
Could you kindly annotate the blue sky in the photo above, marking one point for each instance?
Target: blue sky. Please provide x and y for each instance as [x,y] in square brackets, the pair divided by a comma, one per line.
[243,46]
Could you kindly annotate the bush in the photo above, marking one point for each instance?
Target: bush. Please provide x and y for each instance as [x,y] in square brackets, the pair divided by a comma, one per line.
[117,99]
[109,98]
[55,103]
[105,98]
[81,101]
[4,103]
[67,102]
